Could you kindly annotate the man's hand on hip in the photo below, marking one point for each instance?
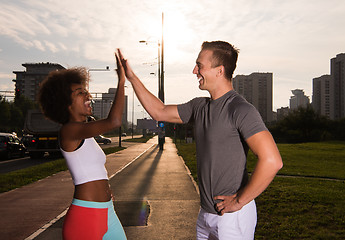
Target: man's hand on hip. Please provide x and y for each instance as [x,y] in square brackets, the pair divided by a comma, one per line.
[227,204]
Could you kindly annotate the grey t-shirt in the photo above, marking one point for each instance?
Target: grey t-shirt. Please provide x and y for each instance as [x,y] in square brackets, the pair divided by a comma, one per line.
[221,126]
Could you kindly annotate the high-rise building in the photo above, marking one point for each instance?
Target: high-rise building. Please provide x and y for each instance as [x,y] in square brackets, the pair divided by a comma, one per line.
[338,78]
[101,106]
[298,99]
[323,98]
[27,82]
[282,113]
[329,90]
[256,88]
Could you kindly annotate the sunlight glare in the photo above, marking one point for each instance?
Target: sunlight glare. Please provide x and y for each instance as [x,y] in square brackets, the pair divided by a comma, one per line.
[176,33]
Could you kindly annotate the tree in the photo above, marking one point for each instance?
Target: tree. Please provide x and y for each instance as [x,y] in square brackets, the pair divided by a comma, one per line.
[338,129]
[12,114]
[302,125]
[5,113]
[24,104]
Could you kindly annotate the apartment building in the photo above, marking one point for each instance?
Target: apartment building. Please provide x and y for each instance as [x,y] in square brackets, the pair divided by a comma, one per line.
[338,78]
[299,99]
[27,82]
[102,105]
[323,99]
[257,89]
[329,90]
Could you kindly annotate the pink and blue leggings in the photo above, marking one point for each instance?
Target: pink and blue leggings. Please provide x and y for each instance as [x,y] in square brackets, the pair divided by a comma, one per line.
[92,220]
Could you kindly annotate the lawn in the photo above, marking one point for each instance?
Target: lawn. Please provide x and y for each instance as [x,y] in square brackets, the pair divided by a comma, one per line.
[325,159]
[138,140]
[305,201]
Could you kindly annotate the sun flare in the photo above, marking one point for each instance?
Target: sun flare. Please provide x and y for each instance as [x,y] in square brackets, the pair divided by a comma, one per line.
[176,32]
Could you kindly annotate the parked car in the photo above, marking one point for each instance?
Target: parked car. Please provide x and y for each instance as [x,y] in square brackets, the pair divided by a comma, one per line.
[26,140]
[11,146]
[124,134]
[102,139]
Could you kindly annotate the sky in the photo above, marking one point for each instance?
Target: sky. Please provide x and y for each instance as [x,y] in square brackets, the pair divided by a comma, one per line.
[294,40]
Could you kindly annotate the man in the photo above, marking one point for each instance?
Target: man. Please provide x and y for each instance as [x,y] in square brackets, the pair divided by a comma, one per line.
[225,126]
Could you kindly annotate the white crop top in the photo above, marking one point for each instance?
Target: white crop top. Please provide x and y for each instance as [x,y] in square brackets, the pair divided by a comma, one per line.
[86,164]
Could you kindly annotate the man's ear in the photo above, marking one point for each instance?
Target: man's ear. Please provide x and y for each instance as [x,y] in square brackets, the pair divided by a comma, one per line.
[220,71]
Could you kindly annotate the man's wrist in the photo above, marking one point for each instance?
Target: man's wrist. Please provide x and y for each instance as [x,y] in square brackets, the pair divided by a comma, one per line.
[240,199]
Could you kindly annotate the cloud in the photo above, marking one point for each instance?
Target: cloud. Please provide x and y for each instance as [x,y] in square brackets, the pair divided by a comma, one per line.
[6,76]
[22,23]
[98,51]
[6,83]
[293,39]
[51,46]
[62,46]
[37,44]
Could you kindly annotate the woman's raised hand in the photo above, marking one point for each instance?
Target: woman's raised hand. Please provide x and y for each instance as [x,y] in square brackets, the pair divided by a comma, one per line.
[120,70]
[128,70]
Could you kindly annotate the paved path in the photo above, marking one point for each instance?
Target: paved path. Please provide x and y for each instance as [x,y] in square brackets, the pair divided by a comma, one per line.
[36,211]
[157,184]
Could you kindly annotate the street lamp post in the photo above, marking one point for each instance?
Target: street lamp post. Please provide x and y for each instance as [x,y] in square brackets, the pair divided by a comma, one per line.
[161,125]
[96,70]
[161,89]
[88,86]
[132,114]
[99,70]
[132,111]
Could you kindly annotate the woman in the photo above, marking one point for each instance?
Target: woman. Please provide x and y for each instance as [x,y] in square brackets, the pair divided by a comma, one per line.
[64,99]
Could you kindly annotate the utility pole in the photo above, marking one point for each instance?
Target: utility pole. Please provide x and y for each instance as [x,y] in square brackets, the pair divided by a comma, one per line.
[161,125]
[161,85]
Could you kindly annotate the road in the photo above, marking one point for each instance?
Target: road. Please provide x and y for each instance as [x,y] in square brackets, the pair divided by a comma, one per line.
[25,162]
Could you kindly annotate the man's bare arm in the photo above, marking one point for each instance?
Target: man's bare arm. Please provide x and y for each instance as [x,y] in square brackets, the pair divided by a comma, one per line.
[154,106]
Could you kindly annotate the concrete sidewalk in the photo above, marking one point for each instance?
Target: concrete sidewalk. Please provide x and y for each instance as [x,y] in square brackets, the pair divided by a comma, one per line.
[36,211]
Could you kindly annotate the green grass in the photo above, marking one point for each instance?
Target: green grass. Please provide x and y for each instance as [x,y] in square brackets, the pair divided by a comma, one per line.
[188,153]
[307,205]
[15,179]
[325,159]
[111,150]
[138,140]
[299,208]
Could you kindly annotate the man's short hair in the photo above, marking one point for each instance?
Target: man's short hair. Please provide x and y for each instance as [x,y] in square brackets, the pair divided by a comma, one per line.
[224,54]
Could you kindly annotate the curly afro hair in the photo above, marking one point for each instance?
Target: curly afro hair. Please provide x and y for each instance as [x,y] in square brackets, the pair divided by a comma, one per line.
[54,95]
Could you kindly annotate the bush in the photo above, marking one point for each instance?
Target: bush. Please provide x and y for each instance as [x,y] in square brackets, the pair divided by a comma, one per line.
[305,125]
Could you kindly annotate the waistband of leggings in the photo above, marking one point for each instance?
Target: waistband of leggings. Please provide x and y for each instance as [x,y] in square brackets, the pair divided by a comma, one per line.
[90,204]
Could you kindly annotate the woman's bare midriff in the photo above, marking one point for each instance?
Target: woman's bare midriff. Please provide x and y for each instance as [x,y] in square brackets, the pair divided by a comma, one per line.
[96,191]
